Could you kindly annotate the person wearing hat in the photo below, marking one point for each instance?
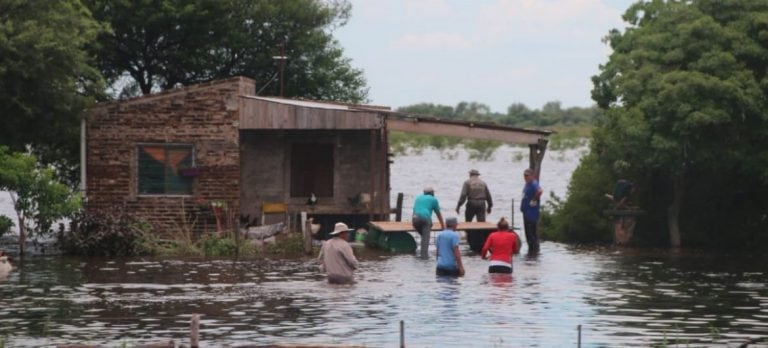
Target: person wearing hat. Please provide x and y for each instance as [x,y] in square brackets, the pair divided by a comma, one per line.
[423,206]
[475,193]
[336,257]
[448,254]
[529,206]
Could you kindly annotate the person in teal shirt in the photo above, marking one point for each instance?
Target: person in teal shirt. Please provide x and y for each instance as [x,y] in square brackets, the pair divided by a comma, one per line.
[423,207]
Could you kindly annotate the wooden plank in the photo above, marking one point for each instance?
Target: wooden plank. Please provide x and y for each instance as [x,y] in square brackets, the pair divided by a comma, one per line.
[465,131]
[405,226]
[265,114]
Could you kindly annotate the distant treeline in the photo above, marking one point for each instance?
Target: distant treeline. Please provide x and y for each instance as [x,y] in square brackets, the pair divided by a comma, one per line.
[572,125]
[550,115]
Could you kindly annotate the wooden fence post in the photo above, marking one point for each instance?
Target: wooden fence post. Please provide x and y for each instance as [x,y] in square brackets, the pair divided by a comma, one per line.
[195,331]
[307,232]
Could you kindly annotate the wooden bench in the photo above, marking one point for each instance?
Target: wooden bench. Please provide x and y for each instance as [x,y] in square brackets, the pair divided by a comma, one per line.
[394,236]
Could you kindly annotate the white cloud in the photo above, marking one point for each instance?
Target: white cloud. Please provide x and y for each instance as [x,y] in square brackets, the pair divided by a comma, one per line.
[431,41]
[547,18]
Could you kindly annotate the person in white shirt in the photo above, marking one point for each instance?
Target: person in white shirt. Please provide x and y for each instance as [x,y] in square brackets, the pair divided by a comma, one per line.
[336,257]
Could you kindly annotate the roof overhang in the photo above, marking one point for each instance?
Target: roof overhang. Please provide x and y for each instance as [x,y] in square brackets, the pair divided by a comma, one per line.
[465,129]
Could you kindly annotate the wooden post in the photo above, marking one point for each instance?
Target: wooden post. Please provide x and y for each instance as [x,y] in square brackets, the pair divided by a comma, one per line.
[402,334]
[307,233]
[194,340]
[372,168]
[512,216]
[399,207]
[536,156]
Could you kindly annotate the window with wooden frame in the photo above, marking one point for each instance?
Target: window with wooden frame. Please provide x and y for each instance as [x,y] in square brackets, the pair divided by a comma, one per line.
[161,166]
[312,169]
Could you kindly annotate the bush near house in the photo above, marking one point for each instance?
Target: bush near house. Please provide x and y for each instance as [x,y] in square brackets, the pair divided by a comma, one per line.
[107,233]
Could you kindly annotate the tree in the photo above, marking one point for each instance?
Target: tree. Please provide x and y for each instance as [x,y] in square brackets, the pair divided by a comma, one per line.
[46,81]
[684,94]
[38,199]
[160,44]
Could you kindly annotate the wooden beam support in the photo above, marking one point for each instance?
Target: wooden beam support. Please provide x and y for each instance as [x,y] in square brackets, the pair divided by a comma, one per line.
[536,156]
[469,131]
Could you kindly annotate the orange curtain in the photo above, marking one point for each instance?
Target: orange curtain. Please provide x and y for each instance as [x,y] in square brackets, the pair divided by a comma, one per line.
[174,156]
[158,153]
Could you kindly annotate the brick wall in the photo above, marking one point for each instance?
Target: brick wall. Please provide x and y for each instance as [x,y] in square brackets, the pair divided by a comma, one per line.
[205,116]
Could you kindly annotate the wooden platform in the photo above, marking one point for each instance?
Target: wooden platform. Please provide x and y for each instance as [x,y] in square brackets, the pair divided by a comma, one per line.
[406,226]
[394,236]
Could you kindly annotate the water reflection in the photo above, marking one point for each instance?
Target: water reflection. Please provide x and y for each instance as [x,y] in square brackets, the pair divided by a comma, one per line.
[621,298]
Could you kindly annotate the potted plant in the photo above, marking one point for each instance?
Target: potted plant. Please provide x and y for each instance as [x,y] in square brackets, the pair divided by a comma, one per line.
[189,172]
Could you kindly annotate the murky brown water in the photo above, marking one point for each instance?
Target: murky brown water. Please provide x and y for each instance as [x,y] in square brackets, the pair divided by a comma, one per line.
[619,297]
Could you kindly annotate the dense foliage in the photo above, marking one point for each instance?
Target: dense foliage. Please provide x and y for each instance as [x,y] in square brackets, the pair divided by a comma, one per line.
[686,114]
[160,44]
[47,79]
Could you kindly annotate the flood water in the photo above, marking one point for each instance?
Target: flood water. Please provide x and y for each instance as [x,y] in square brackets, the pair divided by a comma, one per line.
[619,298]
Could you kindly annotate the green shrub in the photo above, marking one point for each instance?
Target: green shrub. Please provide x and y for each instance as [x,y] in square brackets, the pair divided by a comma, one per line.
[580,218]
[292,243]
[213,245]
[107,233]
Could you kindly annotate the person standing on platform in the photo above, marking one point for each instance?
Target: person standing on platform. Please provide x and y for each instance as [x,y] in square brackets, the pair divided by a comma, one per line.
[336,257]
[475,193]
[448,254]
[423,206]
[502,244]
[529,206]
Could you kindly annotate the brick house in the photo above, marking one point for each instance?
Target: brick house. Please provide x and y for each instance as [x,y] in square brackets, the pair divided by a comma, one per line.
[165,158]
[160,155]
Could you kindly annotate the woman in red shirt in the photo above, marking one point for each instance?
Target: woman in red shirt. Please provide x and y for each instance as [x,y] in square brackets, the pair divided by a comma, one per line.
[502,244]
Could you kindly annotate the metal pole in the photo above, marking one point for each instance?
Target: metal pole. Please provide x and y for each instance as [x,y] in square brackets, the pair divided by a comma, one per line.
[578,342]
[282,70]
[512,216]
[402,334]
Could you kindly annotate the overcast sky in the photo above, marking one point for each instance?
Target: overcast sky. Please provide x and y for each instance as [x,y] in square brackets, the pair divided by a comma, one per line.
[495,52]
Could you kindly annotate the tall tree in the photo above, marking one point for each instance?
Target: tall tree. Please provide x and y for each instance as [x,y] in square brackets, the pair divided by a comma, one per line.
[159,44]
[46,80]
[685,96]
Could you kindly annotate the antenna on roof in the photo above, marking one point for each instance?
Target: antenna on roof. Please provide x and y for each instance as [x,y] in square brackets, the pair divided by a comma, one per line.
[280,60]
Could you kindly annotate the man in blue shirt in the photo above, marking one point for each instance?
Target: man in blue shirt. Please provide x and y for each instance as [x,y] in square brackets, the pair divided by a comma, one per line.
[423,206]
[529,205]
[448,255]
